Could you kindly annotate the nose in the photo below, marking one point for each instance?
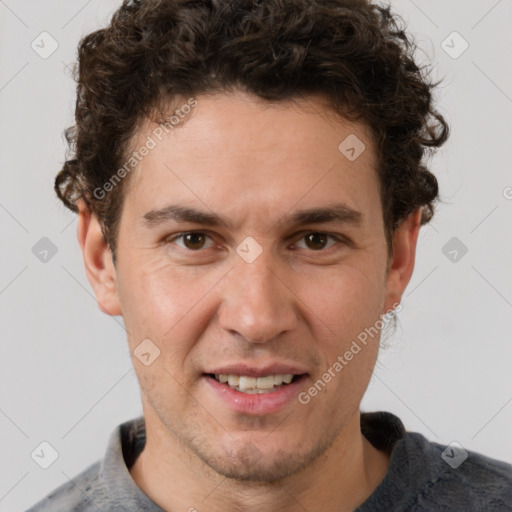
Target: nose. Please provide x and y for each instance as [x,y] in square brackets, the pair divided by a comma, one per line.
[257,301]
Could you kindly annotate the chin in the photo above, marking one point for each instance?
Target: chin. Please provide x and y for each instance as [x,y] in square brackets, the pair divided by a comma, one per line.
[245,462]
[262,471]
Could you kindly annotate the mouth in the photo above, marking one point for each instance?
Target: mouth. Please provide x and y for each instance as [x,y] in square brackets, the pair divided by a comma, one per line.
[255,390]
[255,385]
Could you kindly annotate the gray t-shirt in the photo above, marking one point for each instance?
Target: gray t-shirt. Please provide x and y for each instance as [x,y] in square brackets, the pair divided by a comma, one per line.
[420,476]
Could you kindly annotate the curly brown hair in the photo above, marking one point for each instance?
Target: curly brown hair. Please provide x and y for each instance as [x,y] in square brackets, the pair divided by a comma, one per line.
[355,53]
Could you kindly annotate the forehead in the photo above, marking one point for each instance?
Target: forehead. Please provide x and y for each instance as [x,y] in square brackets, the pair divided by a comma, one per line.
[234,151]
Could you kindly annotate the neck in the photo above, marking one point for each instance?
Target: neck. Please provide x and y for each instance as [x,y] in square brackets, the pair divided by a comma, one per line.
[340,479]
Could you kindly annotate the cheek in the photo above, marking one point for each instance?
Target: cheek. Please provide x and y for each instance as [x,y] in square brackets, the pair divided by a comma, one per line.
[165,304]
[344,308]
[344,301]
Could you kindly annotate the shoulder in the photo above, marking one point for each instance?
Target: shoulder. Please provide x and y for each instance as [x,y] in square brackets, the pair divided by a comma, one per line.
[456,478]
[82,493]
[423,475]
[105,484]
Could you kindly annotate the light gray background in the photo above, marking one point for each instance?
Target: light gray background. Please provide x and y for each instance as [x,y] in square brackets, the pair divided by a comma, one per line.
[66,376]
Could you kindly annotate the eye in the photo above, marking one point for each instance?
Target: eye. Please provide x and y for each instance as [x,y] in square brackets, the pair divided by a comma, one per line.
[317,240]
[192,240]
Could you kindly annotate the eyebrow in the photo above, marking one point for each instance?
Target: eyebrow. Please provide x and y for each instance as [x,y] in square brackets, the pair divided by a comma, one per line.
[177,213]
[338,212]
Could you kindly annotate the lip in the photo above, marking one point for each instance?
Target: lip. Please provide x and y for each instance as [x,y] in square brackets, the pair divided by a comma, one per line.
[254,371]
[255,404]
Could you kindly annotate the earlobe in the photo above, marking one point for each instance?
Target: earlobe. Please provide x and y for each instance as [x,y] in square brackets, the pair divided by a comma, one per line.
[401,265]
[97,258]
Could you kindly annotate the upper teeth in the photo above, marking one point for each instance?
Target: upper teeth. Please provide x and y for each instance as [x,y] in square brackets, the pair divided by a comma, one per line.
[255,384]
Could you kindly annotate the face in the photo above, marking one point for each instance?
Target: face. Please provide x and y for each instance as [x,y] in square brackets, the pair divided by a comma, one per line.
[251,249]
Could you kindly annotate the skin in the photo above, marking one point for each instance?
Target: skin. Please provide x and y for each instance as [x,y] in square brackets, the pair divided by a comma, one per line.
[252,163]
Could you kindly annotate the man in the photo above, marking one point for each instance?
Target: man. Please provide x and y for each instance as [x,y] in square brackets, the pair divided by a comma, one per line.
[249,183]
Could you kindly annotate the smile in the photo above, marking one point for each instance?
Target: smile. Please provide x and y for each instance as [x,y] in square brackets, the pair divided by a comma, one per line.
[255,385]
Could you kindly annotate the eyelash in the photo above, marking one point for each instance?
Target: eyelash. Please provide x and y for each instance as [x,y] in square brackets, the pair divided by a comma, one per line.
[338,240]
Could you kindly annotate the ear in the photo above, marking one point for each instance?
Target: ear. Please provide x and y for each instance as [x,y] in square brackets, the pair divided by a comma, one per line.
[401,264]
[98,263]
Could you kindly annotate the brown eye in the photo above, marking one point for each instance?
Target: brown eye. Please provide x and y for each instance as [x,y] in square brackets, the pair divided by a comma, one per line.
[316,241]
[188,242]
[194,241]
